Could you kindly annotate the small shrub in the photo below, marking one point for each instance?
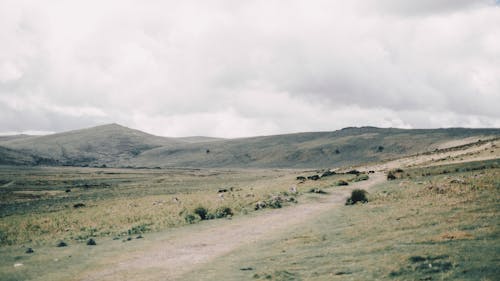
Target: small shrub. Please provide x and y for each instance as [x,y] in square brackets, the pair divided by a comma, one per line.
[317,190]
[357,195]
[223,212]
[190,218]
[91,242]
[341,183]
[138,229]
[202,212]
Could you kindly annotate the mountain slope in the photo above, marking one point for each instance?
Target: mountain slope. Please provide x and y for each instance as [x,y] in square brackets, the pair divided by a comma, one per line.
[107,144]
[348,146]
[118,146]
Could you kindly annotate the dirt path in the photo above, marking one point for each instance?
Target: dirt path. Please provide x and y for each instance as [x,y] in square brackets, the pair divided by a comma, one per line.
[169,259]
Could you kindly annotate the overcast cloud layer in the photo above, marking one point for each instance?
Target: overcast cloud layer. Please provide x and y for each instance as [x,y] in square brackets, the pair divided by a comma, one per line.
[243,68]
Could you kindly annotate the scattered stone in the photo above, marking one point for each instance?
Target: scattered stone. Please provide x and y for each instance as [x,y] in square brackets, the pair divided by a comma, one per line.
[30,251]
[18,264]
[342,272]
[62,244]
[139,237]
[91,242]
[116,238]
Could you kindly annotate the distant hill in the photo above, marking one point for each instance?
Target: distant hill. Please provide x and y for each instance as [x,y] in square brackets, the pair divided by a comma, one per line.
[118,146]
[348,146]
[102,145]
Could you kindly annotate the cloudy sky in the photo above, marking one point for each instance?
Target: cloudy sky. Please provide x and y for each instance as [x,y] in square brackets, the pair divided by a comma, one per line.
[242,68]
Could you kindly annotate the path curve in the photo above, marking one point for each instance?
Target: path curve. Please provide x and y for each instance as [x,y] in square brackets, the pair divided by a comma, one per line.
[169,260]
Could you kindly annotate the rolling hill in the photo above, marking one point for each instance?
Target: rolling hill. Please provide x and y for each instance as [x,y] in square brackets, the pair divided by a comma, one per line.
[118,146]
[102,145]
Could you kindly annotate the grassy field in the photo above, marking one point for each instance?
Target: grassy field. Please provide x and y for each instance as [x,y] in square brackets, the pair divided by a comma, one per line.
[438,223]
[44,205]
[430,223]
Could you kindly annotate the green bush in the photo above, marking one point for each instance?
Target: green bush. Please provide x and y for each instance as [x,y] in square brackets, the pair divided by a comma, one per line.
[202,212]
[223,212]
[190,218]
[357,195]
[139,229]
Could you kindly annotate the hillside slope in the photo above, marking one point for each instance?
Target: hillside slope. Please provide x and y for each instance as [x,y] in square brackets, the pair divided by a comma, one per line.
[118,146]
[348,146]
[107,144]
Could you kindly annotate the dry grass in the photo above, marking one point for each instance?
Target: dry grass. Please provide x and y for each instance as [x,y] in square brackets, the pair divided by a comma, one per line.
[122,202]
[407,225]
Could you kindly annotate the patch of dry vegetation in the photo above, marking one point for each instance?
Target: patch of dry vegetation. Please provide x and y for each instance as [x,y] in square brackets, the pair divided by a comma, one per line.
[37,207]
[437,227]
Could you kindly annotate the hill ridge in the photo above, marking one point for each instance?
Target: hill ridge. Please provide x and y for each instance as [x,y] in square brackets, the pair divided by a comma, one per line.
[119,146]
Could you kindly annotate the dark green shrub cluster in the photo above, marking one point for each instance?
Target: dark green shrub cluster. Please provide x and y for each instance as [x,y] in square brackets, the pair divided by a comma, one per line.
[223,212]
[138,229]
[275,202]
[190,218]
[202,212]
[357,195]
[391,176]
[317,190]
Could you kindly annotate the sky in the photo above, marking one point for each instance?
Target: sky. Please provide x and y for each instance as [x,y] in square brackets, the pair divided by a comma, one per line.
[245,68]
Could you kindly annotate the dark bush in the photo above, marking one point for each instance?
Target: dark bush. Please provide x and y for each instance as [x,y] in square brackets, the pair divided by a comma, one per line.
[327,174]
[91,242]
[314,177]
[62,244]
[341,182]
[391,176]
[78,205]
[357,195]
[354,172]
[138,229]
[317,190]
[223,212]
[202,212]
[30,251]
[190,218]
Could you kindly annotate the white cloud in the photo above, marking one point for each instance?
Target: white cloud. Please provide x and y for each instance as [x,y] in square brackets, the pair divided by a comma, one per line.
[225,68]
